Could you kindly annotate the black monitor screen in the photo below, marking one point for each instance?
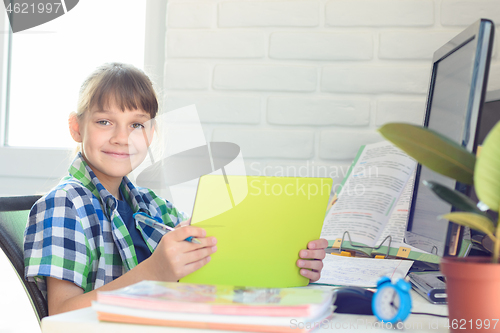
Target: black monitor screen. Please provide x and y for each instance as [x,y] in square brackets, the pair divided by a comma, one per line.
[453,109]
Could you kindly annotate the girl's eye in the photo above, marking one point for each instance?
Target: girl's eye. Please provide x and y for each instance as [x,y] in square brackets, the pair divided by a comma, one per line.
[103,122]
[137,126]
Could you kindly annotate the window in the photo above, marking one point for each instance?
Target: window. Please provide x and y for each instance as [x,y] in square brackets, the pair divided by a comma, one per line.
[48,64]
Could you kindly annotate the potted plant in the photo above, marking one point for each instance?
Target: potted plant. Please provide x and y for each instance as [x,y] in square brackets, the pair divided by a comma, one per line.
[473,283]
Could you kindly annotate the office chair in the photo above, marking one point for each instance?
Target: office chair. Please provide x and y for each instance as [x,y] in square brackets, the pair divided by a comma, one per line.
[13,218]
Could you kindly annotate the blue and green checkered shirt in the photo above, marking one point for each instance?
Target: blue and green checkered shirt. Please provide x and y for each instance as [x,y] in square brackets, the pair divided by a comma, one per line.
[75,233]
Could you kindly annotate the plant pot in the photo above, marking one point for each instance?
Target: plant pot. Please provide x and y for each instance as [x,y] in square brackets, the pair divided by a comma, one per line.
[473,288]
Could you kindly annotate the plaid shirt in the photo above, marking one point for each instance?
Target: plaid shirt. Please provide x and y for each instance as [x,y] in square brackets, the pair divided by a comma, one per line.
[75,233]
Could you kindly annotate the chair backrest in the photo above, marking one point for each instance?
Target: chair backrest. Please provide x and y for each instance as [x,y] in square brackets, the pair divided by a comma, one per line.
[14,213]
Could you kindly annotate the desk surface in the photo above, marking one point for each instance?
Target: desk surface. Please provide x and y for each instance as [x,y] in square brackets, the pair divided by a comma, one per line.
[85,321]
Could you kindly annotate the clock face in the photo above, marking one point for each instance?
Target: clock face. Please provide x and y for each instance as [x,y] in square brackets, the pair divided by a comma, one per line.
[388,303]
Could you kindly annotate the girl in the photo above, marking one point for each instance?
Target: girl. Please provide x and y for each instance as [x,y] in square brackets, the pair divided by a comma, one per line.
[81,236]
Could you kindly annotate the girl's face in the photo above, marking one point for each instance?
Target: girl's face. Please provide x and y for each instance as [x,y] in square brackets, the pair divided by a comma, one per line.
[114,142]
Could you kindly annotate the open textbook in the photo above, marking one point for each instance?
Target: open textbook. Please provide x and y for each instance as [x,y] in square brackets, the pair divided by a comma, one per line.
[372,203]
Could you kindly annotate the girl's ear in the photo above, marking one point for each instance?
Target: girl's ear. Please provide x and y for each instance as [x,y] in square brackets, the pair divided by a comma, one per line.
[74,127]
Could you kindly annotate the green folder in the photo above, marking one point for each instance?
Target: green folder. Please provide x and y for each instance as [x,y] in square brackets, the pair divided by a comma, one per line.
[261,224]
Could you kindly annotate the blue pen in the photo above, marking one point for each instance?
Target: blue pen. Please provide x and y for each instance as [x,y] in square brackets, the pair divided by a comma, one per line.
[153,223]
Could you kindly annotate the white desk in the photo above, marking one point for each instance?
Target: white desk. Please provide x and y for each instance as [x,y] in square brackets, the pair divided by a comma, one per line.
[85,321]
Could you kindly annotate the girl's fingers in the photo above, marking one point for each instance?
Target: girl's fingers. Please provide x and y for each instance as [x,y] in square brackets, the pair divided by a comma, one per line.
[311,275]
[316,265]
[310,269]
[205,242]
[317,244]
[194,260]
[184,223]
[194,266]
[185,257]
[184,247]
[312,254]
[199,254]
[181,234]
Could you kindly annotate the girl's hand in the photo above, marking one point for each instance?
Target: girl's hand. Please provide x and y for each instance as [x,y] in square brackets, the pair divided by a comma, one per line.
[184,223]
[315,253]
[175,258]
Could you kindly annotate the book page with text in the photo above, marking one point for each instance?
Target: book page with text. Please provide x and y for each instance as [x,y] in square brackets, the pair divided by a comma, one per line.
[369,195]
[396,225]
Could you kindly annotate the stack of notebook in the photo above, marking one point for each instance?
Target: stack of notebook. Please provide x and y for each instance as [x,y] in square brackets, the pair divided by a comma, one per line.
[216,307]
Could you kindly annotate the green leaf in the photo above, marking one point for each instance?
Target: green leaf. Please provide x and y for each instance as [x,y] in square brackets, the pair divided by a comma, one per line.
[459,200]
[473,221]
[487,175]
[433,150]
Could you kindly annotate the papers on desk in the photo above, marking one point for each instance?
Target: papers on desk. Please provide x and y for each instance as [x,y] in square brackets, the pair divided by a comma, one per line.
[362,272]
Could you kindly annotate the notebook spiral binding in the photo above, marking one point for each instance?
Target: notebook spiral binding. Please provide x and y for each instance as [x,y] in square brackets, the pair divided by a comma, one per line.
[365,247]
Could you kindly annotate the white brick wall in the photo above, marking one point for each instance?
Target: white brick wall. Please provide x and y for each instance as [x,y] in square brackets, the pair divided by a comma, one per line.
[288,110]
[321,45]
[186,76]
[254,13]
[265,77]
[215,44]
[380,13]
[407,110]
[303,83]
[463,13]
[343,144]
[372,79]
[267,143]
[191,14]
[412,45]
[216,108]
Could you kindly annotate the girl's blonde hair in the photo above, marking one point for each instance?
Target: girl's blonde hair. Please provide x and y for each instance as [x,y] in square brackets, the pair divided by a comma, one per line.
[123,85]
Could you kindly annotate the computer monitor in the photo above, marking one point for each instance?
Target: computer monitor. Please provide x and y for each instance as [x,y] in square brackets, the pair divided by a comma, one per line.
[456,94]
[490,115]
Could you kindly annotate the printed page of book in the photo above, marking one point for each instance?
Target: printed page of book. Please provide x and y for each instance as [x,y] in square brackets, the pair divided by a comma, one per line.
[373,187]
[361,272]
[396,226]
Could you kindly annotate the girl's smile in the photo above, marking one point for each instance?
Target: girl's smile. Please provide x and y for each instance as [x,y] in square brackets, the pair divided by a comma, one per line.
[117,154]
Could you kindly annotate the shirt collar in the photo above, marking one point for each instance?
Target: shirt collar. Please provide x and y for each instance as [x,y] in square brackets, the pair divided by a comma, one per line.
[82,172]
